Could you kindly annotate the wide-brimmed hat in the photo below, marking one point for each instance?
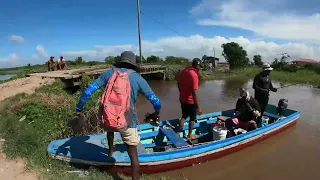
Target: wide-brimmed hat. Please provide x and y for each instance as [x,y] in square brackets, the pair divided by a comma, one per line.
[266,67]
[127,57]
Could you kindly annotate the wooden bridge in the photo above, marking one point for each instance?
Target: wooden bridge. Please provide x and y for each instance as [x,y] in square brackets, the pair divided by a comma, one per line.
[72,77]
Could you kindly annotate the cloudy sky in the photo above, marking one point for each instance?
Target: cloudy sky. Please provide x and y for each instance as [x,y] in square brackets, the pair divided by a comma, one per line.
[33,30]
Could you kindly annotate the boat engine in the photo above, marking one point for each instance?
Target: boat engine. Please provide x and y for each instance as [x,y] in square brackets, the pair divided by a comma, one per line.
[282,106]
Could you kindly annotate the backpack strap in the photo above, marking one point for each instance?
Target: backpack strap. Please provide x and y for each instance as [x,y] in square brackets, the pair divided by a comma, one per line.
[129,71]
[114,69]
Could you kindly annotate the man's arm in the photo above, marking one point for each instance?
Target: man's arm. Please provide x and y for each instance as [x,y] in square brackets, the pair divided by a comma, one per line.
[178,79]
[272,88]
[239,109]
[147,92]
[257,109]
[195,86]
[92,88]
[256,87]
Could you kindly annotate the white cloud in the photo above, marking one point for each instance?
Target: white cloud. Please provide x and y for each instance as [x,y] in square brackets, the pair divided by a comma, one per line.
[40,49]
[197,46]
[191,47]
[16,38]
[13,57]
[100,51]
[275,18]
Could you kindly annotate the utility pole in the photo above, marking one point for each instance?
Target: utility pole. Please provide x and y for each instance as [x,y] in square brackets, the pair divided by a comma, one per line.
[214,53]
[214,57]
[139,35]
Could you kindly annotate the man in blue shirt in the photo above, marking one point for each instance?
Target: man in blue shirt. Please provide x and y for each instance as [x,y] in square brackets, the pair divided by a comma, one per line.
[138,85]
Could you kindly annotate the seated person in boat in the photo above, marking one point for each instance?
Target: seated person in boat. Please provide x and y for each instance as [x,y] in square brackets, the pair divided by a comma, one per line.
[62,63]
[247,110]
[52,65]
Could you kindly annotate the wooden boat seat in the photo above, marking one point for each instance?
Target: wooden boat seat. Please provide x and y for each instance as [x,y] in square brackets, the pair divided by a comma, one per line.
[141,149]
[223,118]
[174,138]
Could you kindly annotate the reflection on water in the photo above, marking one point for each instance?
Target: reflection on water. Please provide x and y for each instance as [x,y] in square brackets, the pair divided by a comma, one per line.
[279,157]
[231,86]
[6,77]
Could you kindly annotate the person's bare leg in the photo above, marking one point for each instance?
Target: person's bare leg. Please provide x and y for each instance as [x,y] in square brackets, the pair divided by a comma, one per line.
[181,124]
[190,135]
[135,166]
[110,137]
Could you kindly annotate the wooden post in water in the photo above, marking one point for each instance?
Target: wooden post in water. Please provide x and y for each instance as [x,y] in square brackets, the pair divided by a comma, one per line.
[139,34]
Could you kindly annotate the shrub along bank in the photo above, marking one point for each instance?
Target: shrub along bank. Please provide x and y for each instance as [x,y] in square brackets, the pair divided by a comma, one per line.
[300,76]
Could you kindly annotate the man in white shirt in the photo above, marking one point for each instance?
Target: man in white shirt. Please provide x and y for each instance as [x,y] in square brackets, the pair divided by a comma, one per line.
[210,66]
[62,64]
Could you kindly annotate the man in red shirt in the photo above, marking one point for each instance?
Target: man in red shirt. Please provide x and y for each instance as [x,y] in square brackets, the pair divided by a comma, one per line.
[188,82]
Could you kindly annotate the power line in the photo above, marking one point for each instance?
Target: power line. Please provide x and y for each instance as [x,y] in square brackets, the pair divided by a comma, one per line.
[169,28]
[162,24]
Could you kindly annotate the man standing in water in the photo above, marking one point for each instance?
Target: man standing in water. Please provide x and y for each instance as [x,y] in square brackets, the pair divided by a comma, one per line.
[138,85]
[262,85]
[188,82]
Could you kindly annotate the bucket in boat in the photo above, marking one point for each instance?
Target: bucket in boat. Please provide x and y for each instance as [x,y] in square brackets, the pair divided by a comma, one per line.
[265,120]
[219,133]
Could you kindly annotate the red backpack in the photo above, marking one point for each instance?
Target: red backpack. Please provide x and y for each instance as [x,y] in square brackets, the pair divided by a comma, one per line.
[115,101]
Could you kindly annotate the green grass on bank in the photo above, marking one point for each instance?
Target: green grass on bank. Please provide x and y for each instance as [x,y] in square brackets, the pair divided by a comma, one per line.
[47,112]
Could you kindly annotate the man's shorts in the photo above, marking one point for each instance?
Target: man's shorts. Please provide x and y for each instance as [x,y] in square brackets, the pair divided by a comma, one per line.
[189,110]
[242,124]
[130,136]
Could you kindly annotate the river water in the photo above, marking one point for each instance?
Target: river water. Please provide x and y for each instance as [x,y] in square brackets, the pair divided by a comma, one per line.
[6,77]
[291,154]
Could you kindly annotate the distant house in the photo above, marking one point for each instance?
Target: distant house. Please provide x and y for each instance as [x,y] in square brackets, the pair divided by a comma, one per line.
[304,61]
[213,60]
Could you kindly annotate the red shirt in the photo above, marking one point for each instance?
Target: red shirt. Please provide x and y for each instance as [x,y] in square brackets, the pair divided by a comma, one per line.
[187,82]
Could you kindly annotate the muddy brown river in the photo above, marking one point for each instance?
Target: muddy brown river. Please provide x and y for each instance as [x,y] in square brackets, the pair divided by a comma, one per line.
[291,154]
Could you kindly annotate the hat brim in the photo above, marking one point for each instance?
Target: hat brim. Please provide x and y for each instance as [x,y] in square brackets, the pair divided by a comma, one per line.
[126,61]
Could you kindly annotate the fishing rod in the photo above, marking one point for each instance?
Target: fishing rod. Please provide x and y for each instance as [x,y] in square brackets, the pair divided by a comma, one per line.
[286,86]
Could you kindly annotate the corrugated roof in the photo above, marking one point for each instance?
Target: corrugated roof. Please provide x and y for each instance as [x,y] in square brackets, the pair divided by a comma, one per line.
[306,61]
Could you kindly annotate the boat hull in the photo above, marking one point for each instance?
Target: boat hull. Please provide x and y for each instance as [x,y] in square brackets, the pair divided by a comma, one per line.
[233,144]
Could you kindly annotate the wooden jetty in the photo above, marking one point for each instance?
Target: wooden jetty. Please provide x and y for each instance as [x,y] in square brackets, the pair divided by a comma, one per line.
[72,77]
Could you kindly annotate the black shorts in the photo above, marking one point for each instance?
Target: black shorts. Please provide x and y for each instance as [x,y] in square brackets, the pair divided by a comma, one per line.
[189,110]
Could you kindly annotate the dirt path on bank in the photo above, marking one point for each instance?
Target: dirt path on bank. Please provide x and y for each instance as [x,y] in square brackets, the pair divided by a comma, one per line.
[15,169]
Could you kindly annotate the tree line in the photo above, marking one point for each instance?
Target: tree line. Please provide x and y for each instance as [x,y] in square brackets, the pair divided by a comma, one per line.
[235,55]
[149,59]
